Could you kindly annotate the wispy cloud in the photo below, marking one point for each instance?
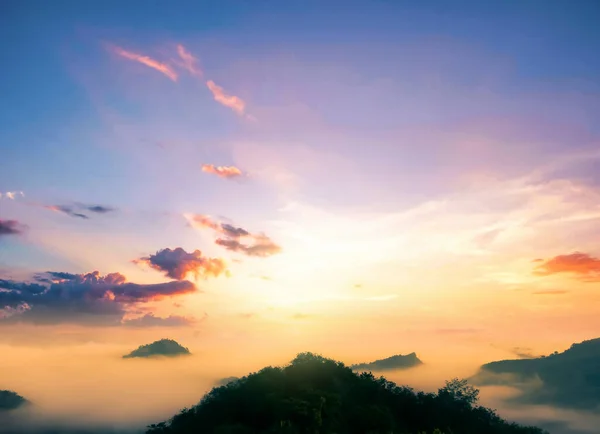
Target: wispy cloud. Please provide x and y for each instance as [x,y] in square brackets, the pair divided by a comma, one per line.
[11,227]
[233,102]
[227,172]
[582,265]
[235,239]
[260,246]
[178,263]
[148,61]
[189,62]
[99,209]
[77,210]
[12,195]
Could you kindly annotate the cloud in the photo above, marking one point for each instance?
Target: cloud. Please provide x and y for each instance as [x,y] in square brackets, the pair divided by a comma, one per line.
[149,320]
[236,239]
[227,172]
[584,266]
[99,209]
[233,102]
[12,194]
[178,263]
[149,62]
[76,210]
[88,299]
[66,210]
[11,227]
[189,61]
[261,247]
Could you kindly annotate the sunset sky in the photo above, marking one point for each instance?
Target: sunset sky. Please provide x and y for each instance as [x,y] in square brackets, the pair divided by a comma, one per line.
[356,178]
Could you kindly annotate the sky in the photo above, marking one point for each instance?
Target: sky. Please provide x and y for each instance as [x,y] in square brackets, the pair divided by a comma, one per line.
[256,179]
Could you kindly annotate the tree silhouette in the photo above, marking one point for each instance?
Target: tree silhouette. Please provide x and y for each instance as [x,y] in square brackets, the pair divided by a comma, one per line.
[315,395]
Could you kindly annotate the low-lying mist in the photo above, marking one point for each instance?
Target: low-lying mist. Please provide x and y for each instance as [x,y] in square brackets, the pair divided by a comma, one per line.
[92,386]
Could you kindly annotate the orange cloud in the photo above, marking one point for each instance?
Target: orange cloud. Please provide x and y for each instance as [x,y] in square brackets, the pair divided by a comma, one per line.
[149,62]
[227,172]
[189,61]
[584,266]
[178,263]
[233,102]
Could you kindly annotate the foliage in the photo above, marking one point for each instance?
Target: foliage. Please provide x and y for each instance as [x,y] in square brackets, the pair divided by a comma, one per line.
[10,400]
[163,347]
[568,379]
[315,395]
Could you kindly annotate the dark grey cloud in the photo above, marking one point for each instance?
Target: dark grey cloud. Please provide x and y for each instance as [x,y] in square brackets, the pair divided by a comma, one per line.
[77,210]
[90,299]
[99,209]
[11,227]
[177,263]
[67,210]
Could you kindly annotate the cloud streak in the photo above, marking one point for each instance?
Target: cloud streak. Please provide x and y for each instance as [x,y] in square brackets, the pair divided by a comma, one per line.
[77,210]
[233,102]
[11,227]
[227,172]
[178,263]
[147,61]
[585,267]
[189,62]
[87,299]
[235,239]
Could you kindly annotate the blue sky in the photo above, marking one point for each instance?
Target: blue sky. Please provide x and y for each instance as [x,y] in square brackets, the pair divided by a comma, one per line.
[372,137]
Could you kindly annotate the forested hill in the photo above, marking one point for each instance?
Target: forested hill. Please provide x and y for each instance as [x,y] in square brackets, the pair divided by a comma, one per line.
[321,396]
[567,379]
[395,362]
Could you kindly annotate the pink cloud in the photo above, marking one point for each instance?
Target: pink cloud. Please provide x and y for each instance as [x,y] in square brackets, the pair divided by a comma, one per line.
[233,102]
[189,61]
[227,172]
[149,62]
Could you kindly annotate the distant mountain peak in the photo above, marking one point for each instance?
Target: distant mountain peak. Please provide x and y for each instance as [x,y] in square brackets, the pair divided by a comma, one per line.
[162,347]
[398,361]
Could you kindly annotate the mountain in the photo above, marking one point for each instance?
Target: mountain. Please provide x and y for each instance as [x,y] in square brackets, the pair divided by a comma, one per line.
[567,379]
[163,347]
[10,400]
[317,395]
[395,362]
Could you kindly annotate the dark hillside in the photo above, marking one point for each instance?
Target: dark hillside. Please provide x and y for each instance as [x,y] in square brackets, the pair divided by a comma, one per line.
[321,396]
